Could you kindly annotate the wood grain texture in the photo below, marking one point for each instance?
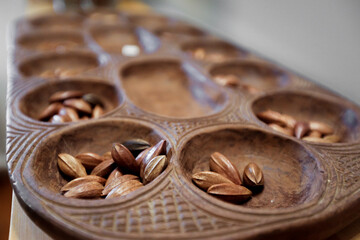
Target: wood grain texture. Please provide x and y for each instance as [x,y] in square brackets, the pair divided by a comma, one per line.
[164,93]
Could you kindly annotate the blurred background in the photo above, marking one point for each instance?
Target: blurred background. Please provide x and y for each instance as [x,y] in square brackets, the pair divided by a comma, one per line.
[318,39]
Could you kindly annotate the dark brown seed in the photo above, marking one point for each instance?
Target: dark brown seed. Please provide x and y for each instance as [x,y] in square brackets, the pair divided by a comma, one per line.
[136,146]
[158,149]
[63,95]
[117,181]
[220,164]
[89,160]
[124,159]
[253,176]
[141,156]
[230,192]
[85,190]
[50,110]
[70,113]
[301,129]
[81,180]
[92,99]
[97,112]
[78,104]
[104,168]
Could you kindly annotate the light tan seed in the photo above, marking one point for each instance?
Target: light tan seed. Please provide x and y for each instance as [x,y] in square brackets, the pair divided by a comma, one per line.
[158,149]
[63,95]
[85,190]
[271,116]
[104,168]
[50,110]
[78,104]
[227,80]
[81,180]
[97,112]
[113,175]
[220,164]
[154,168]
[206,179]
[253,176]
[89,160]
[70,113]
[315,134]
[332,138]
[321,127]
[301,129]
[230,192]
[125,188]
[117,181]
[59,119]
[70,166]
[283,130]
[139,159]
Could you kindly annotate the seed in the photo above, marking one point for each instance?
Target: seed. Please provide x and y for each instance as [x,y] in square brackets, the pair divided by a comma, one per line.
[113,175]
[63,95]
[97,112]
[117,181]
[124,159]
[250,89]
[136,146]
[270,116]
[332,138]
[93,100]
[104,168]
[315,134]
[230,192]
[253,176]
[81,180]
[70,113]
[220,164]
[301,129]
[59,119]
[321,127]
[89,160]
[206,179]
[227,80]
[141,156]
[70,166]
[125,188]
[278,128]
[107,155]
[50,110]
[159,148]
[78,104]
[85,190]
[154,168]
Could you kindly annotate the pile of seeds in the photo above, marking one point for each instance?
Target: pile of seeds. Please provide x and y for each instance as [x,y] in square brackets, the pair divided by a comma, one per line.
[311,131]
[60,72]
[224,181]
[230,80]
[71,106]
[129,166]
[209,56]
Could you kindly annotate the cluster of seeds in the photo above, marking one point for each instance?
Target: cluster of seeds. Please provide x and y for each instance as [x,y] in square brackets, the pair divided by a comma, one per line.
[127,167]
[230,80]
[224,180]
[72,106]
[311,131]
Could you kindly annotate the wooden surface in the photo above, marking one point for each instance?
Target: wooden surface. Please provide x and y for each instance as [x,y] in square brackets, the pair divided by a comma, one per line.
[23,228]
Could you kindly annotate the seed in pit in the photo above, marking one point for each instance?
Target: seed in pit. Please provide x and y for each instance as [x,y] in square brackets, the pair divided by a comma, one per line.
[93,100]
[50,110]
[81,180]
[78,104]
[125,188]
[154,168]
[253,176]
[97,112]
[118,181]
[85,190]
[227,80]
[113,175]
[220,164]
[206,179]
[70,166]
[63,95]
[321,127]
[59,119]
[301,129]
[124,159]
[158,149]
[136,146]
[89,160]
[104,168]
[230,192]
[278,128]
[69,113]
